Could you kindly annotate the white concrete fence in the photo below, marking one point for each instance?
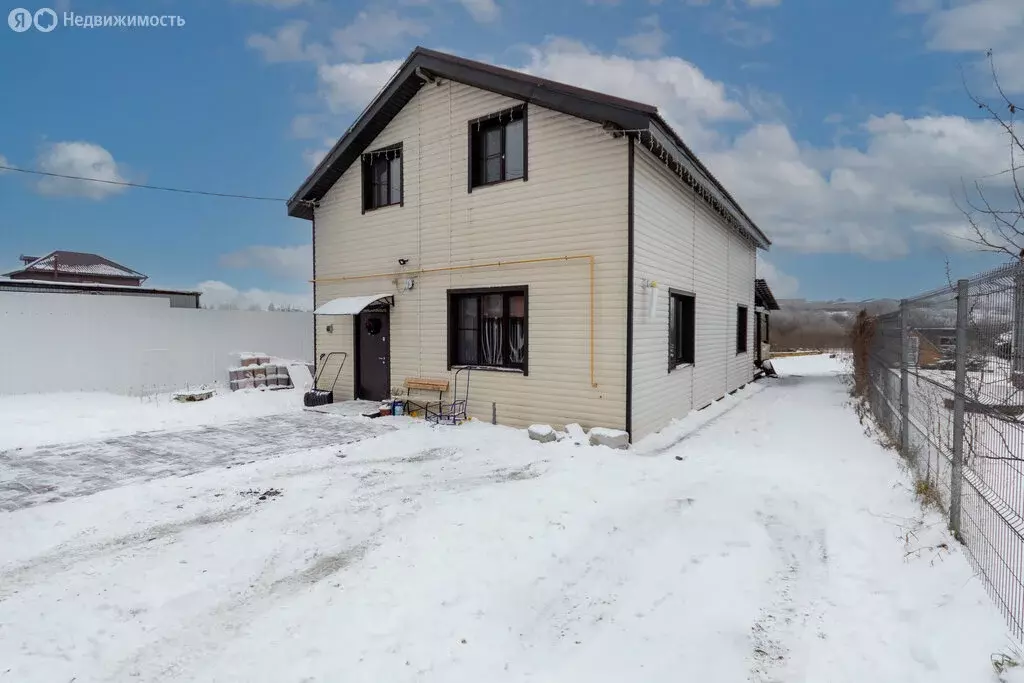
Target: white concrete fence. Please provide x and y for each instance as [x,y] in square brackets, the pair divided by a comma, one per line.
[133,345]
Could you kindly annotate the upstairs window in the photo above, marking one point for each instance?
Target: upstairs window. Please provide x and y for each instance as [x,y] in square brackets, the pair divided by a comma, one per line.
[741,329]
[487,328]
[681,326]
[497,148]
[382,178]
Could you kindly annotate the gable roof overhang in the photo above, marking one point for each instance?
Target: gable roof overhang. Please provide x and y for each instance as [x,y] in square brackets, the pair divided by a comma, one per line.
[423,64]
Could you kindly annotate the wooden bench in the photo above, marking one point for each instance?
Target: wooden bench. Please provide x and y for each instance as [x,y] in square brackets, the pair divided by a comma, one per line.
[427,384]
[424,384]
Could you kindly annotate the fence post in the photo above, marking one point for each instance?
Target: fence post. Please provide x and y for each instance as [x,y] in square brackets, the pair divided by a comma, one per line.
[959,390]
[1017,338]
[904,379]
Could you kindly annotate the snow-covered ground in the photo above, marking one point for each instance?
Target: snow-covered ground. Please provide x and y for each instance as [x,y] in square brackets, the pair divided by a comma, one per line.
[29,420]
[769,539]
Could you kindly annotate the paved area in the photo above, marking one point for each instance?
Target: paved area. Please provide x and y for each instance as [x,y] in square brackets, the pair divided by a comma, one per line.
[52,473]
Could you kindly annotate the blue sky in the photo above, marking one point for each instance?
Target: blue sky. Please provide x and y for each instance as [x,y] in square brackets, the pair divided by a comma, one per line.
[843,128]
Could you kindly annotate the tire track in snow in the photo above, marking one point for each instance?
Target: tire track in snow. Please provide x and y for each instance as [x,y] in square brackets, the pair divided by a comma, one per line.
[796,608]
[63,557]
[179,656]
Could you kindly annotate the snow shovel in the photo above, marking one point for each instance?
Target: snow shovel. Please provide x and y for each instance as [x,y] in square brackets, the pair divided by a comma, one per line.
[320,397]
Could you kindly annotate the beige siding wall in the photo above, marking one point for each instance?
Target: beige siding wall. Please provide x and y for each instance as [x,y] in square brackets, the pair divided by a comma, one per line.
[681,244]
[574,203]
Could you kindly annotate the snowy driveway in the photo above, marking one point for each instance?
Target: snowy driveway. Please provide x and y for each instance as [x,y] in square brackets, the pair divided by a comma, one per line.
[48,474]
[776,543]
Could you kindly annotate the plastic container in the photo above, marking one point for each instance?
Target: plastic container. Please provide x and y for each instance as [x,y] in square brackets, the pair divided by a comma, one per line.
[398,408]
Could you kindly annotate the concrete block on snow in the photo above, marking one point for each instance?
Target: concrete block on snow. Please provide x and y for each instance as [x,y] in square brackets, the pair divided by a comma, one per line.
[542,433]
[613,438]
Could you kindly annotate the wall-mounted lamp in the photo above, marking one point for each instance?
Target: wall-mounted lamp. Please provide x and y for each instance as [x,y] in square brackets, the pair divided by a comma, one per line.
[403,261]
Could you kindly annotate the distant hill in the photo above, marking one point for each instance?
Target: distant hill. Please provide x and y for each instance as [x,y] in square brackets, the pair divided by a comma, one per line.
[801,324]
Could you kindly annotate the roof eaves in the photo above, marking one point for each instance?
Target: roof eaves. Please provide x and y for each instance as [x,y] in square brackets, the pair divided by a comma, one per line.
[697,168]
[300,205]
[561,97]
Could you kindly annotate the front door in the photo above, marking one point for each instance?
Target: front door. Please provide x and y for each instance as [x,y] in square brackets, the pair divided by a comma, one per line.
[373,354]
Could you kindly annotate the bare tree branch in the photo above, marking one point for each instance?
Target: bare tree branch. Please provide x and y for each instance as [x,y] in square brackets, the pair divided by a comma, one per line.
[997,229]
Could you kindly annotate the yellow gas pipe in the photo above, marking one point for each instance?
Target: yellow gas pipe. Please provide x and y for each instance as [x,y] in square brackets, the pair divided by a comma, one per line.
[492,264]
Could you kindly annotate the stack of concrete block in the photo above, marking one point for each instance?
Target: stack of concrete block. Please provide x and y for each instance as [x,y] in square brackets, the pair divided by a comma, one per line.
[257,372]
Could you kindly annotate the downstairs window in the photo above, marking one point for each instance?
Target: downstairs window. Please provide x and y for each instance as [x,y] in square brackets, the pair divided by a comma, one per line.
[488,328]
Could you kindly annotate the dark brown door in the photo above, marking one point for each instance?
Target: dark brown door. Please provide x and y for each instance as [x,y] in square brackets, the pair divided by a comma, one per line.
[373,375]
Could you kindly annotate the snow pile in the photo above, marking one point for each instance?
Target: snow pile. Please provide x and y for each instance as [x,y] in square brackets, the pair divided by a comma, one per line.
[786,546]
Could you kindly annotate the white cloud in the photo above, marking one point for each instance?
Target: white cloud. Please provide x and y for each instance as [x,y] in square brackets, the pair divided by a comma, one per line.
[288,44]
[4,162]
[976,26]
[81,159]
[217,294]
[351,86]
[783,286]
[368,32]
[291,262]
[648,40]
[687,98]
[483,11]
[766,105]
[375,32]
[871,200]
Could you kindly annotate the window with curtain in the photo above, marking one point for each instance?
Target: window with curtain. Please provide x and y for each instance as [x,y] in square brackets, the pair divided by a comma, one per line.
[487,328]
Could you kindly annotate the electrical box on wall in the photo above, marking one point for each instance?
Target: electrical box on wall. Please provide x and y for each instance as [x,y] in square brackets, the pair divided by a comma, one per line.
[330,329]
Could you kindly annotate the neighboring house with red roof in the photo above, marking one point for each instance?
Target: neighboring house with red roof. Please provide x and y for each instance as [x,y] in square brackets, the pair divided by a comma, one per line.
[76,266]
[76,272]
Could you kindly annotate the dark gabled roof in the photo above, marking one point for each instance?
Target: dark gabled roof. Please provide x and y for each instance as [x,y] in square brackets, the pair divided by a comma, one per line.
[617,112]
[763,296]
[76,263]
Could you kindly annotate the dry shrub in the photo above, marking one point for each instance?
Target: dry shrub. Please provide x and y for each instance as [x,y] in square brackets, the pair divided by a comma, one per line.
[861,335]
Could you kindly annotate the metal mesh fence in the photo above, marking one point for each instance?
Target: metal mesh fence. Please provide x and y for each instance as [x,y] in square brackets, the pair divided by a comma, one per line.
[946,384]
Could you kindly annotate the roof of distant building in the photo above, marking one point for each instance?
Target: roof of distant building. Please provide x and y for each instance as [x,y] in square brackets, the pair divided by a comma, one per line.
[76,263]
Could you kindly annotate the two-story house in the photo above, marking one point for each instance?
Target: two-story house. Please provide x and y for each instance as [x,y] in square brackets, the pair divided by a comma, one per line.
[565,244]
